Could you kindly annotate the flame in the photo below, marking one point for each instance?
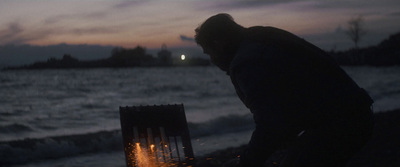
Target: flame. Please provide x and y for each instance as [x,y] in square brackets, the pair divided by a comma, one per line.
[142,158]
[151,147]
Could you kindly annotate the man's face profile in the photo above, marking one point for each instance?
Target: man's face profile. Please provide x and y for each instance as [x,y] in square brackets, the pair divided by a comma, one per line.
[219,59]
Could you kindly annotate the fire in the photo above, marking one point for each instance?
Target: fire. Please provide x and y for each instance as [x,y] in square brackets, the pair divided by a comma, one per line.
[141,157]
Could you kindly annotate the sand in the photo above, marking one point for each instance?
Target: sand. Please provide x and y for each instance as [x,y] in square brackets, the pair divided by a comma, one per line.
[383,150]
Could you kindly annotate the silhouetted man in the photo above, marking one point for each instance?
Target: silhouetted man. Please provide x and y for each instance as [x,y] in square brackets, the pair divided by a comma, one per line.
[298,95]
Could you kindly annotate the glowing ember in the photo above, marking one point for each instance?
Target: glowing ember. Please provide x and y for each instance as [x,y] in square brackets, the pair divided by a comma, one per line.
[142,158]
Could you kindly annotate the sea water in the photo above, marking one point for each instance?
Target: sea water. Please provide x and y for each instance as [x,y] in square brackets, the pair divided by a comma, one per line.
[70,117]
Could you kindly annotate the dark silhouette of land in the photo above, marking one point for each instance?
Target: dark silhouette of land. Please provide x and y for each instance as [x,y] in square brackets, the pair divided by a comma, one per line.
[120,58]
[386,53]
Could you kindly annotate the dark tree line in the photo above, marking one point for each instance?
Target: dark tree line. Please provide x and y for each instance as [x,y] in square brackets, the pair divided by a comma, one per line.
[387,53]
[120,58]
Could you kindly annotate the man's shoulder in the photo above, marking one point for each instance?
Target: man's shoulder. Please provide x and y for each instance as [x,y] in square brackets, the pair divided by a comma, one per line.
[264,30]
[269,35]
[251,53]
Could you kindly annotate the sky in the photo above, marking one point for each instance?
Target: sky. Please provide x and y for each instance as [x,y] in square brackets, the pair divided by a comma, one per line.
[151,23]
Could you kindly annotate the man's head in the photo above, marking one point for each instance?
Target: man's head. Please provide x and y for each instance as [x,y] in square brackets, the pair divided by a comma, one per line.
[219,36]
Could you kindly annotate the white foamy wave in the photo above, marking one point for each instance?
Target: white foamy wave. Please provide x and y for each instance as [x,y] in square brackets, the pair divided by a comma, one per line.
[23,151]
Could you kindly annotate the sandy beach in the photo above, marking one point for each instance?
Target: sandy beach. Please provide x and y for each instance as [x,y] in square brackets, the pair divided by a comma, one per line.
[383,150]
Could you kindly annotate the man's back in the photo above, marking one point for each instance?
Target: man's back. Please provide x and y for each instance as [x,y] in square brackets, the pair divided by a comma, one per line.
[292,72]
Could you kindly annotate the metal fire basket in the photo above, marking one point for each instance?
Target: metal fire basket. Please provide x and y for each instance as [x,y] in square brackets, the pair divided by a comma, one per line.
[158,134]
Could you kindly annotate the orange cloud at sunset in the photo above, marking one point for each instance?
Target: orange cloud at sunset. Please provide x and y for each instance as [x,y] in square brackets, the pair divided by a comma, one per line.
[152,23]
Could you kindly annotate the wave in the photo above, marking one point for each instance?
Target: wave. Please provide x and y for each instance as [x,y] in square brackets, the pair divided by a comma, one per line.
[28,150]
[12,128]
[163,88]
[221,125]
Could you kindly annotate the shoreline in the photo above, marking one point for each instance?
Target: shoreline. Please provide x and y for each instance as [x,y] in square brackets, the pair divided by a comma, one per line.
[382,150]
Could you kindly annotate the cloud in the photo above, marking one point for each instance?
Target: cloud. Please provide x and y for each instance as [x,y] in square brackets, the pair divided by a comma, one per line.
[80,16]
[12,30]
[13,34]
[394,14]
[127,4]
[186,38]
[233,5]
[92,30]
[16,33]
[252,4]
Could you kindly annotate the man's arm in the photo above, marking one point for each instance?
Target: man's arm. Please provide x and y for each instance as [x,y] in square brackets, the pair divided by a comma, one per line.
[262,87]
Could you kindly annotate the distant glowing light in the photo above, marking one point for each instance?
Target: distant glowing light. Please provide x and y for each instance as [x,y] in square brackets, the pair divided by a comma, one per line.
[183,57]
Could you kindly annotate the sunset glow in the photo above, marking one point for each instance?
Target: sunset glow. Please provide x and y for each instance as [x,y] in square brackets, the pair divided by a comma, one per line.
[152,23]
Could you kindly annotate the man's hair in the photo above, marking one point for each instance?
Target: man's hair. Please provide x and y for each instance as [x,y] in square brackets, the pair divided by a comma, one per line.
[218,27]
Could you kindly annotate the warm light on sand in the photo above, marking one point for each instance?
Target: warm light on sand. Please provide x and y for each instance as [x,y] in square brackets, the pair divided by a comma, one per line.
[183,57]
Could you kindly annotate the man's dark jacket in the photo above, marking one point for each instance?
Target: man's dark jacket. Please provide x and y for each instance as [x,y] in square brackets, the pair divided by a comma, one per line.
[291,83]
